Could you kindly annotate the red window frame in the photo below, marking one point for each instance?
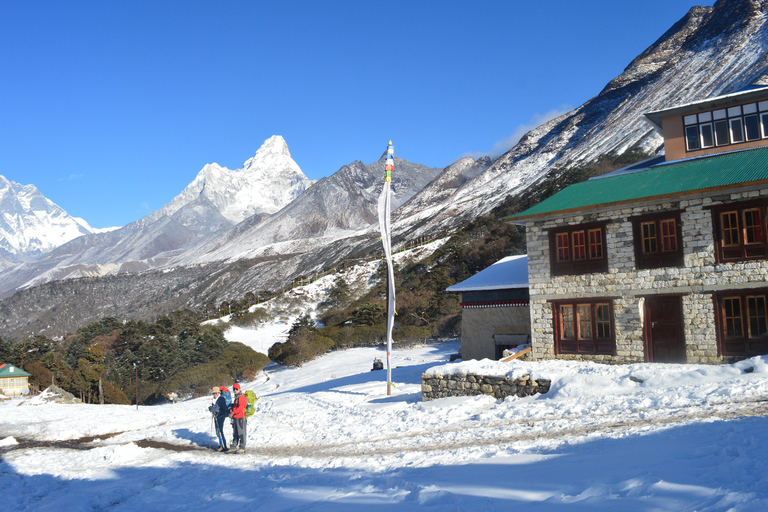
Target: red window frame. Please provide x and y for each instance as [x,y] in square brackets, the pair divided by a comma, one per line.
[584,326]
[576,250]
[742,322]
[740,231]
[658,239]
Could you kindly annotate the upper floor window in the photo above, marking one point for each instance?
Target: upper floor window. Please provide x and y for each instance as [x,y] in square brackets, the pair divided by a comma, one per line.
[584,326]
[578,250]
[658,240]
[740,231]
[733,125]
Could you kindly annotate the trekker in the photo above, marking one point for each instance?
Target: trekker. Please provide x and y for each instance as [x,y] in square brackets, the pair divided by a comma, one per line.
[220,411]
[239,404]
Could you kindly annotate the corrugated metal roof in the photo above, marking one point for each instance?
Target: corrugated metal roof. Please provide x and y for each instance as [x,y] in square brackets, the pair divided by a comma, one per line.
[670,179]
[8,370]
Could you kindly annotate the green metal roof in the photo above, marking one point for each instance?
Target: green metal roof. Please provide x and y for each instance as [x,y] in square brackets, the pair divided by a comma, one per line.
[5,371]
[682,177]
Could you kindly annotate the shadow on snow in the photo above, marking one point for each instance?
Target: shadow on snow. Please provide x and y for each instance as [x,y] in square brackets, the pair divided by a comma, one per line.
[712,466]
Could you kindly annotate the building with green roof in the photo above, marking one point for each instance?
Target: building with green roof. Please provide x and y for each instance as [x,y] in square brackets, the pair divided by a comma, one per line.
[664,261]
[13,380]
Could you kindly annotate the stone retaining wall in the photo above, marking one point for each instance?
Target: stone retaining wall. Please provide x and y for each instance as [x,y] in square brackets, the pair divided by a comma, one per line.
[467,384]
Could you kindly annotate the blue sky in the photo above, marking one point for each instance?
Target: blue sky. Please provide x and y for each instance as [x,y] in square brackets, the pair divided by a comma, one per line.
[112,108]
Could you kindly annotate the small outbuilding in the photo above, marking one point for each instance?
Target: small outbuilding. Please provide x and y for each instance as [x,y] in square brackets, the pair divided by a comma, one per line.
[495,309]
[13,381]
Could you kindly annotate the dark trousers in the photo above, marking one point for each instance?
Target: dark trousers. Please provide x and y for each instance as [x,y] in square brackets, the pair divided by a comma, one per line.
[220,430]
[238,432]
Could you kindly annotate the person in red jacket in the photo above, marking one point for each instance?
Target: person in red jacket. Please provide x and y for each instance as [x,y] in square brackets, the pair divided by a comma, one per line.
[239,404]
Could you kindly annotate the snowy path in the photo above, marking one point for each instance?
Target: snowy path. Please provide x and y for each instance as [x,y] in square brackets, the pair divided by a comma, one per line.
[327,437]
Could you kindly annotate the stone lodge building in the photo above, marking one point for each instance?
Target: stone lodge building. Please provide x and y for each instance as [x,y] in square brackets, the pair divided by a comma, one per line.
[666,260]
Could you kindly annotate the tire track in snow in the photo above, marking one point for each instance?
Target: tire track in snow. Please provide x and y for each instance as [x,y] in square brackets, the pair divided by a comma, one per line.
[637,420]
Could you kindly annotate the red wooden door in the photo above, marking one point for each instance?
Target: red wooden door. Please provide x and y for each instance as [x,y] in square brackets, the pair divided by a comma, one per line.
[665,340]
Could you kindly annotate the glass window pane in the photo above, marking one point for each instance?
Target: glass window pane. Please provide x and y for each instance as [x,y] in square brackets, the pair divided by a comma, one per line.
[705,117]
[563,248]
[719,114]
[758,323]
[764,123]
[732,313]
[752,127]
[603,315]
[585,321]
[668,235]
[690,119]
[569,325]
[752,229]
[579,246]
[721,133]
[692,137]
[730,223]
[737,131]
[749,108]
[649,237]
[707,137]
[595,244]
[734,111]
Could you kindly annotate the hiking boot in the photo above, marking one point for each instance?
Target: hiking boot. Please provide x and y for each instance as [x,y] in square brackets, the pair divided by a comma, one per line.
[240,450]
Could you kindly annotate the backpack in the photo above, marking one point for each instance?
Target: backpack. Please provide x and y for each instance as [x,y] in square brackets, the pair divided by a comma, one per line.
[251,397]
[227,396]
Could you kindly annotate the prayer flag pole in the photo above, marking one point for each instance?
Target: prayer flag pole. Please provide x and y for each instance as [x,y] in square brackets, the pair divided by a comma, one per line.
[385,205]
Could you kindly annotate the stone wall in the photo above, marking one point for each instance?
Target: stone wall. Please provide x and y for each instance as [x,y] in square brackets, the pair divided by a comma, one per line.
[697,280]
[478,325]
[467,384]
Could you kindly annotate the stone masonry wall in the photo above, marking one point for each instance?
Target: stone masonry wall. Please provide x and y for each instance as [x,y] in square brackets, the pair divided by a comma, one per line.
[696,280]
[467,384]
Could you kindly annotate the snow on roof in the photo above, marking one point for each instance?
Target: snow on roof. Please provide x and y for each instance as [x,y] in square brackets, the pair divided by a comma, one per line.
[509,272]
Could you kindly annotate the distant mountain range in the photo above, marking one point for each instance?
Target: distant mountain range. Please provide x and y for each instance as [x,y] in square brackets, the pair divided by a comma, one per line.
[32,225]
[232,231]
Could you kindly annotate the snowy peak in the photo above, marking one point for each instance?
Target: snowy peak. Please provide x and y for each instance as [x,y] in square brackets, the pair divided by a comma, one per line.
[267,182]
[31,224]
[274,148]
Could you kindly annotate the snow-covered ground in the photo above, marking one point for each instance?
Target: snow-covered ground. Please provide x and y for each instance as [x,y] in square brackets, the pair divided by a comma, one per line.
[328,437]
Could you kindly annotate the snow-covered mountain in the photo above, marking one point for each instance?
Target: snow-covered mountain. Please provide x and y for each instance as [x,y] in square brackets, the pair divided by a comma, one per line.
[197,254]
[266,183]
[31,224]
[336,207]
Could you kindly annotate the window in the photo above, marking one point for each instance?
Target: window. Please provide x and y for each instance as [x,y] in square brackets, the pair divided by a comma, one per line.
[658,240]
[740,231]
[741,123]
[743,322]
[578,250]
[584,327]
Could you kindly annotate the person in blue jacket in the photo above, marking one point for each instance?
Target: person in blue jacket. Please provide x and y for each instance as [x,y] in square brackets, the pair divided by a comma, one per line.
[220,412]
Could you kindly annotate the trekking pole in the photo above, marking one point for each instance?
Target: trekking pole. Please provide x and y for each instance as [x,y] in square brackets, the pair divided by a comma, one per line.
[212,420]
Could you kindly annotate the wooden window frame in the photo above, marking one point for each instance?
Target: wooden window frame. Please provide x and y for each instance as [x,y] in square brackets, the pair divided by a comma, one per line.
[661,257]
[745,342]
[734,247]
[581,343]
[595,258]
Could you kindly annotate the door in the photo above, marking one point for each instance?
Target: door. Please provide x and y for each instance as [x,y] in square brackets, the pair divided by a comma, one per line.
[665,340]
